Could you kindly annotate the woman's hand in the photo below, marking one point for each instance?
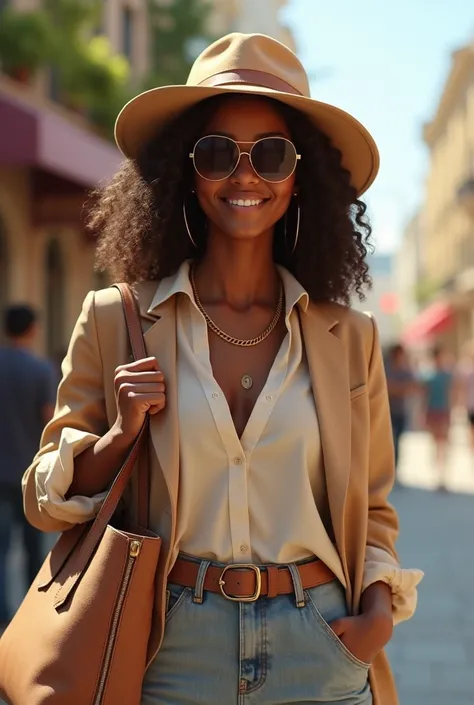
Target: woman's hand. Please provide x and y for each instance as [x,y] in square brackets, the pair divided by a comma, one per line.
[139,389]
[365,635]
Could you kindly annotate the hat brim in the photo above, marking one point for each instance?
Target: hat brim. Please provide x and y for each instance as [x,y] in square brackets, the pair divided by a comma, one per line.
[139,120]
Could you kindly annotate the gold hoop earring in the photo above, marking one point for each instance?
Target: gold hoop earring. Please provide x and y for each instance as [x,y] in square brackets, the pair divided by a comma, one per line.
[187,224]
[295,241]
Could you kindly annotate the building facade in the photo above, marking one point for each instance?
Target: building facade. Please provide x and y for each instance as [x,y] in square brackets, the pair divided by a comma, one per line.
[409,271]
[447,213]
[381,300]
[50,158]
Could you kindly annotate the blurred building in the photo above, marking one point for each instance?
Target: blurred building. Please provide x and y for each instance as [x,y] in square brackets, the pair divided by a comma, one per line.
[261,16]
[447,214]
[51,156]
[409,271]
[382,299]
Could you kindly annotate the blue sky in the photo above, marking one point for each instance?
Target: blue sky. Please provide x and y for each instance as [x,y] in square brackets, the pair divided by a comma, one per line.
[386,63]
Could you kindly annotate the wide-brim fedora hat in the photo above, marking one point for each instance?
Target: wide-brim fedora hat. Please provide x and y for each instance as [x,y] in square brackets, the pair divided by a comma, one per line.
[252,64]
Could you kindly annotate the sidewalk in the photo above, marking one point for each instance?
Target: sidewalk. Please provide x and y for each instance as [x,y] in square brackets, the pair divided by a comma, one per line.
[433,654]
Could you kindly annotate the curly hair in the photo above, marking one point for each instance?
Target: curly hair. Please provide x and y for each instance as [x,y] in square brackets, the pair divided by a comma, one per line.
[138,216]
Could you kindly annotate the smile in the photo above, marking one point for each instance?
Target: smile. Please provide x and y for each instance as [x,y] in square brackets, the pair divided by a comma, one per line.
[244,202]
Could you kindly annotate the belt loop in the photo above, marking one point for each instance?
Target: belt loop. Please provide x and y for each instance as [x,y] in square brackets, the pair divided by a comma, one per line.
[297,585]
[199,587]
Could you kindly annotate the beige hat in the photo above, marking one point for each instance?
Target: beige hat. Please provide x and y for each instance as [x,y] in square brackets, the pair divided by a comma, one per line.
[259,65]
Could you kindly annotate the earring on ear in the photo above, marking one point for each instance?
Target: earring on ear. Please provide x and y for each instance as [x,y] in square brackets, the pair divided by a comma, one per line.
[185,217]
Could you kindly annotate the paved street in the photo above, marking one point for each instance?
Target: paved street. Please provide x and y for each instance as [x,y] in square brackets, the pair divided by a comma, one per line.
[433,654]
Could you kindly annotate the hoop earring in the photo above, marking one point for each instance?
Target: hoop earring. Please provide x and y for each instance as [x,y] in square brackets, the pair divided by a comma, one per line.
[295,241]
[187,224]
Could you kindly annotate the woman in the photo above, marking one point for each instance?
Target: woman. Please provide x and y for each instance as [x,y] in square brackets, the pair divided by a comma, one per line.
[236,218]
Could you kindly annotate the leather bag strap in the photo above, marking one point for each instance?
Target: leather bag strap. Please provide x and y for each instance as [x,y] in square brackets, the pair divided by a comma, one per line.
[121,481]
[135,334]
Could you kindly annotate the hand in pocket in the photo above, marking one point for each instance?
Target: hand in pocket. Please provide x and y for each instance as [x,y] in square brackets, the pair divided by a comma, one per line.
[364,636]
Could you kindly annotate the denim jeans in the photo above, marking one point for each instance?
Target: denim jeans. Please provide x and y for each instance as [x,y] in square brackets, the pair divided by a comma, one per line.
[11,516]
[268,652]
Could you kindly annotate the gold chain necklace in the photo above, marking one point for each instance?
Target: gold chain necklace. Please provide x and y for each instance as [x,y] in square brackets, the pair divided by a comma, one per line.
[228,338]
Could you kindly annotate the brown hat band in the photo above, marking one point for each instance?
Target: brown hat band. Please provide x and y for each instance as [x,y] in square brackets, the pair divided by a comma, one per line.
[251,77]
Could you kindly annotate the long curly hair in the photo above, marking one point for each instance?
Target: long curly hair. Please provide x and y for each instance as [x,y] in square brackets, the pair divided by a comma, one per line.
[138,216]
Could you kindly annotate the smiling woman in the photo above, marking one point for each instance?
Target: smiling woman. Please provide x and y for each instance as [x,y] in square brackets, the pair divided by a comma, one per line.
[236,219]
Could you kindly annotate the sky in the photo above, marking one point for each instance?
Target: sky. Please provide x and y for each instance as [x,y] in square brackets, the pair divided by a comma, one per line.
[386,63]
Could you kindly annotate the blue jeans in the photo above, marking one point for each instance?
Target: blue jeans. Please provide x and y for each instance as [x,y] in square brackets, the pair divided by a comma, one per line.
[11,516]
[268,652]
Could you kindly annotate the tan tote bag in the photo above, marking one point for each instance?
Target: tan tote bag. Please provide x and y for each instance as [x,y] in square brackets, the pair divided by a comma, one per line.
[80,636]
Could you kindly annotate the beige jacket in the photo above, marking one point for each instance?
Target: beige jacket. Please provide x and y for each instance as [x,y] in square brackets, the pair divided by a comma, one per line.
[349,386]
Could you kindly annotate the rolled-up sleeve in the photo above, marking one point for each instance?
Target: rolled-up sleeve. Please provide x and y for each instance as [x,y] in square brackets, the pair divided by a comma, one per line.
[380,566]
[79,420]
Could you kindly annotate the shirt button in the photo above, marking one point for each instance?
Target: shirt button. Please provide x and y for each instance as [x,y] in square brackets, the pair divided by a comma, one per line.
[215,395]
[268,397]
[237,461]
[244,548]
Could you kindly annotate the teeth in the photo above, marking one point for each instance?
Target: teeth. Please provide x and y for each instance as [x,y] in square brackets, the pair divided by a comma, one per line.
[244,203]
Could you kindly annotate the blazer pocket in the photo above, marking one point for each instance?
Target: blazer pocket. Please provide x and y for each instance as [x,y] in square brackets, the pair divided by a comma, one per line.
[358,391]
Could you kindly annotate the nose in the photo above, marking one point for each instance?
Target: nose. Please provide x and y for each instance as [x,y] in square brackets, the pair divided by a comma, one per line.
[244,172]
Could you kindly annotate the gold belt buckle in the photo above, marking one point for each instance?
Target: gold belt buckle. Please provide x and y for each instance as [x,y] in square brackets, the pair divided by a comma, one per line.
[241,566]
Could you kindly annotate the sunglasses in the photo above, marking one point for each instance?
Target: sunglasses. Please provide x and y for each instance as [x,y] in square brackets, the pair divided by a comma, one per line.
[273,159]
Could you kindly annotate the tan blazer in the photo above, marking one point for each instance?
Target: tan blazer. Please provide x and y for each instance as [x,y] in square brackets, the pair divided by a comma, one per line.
[349,386]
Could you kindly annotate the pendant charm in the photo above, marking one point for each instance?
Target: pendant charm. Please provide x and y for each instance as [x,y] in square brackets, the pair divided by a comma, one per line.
[246,382]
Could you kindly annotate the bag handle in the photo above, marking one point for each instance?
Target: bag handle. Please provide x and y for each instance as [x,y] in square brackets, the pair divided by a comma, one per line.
[135,334]
[121,481]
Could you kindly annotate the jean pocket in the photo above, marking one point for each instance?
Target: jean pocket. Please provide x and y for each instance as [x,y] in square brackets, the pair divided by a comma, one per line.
[323,622]
[176,595]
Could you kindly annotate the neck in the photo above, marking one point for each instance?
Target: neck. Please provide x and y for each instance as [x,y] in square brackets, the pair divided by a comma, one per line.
[239,274]
[19,343]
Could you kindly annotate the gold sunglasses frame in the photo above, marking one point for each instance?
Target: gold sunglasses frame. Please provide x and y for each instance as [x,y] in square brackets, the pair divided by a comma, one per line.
[248,154]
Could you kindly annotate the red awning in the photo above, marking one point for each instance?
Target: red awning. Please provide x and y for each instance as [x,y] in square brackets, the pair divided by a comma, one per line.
[433,320]
[34,136]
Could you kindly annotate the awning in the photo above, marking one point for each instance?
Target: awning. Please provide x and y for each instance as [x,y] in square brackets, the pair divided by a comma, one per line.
[34,136]
[435,319]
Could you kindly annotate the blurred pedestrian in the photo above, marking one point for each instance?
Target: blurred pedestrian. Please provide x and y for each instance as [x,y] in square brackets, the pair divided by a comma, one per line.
[27,393]
[438,385]
[401,385]
[464,385]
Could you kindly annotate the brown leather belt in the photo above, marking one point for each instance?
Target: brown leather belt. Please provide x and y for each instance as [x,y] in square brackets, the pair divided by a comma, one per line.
[246,583]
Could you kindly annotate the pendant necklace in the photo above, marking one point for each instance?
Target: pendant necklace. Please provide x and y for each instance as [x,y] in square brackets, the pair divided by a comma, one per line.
[246,382]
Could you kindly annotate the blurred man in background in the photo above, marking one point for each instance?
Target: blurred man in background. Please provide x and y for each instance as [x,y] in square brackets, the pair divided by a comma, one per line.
[27,396]
[401,385]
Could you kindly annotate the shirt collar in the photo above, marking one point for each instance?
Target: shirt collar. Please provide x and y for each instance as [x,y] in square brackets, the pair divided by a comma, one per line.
[179,283]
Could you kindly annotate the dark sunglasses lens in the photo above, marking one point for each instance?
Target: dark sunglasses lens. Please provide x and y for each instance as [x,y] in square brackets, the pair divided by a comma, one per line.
[215,157]
[274,159]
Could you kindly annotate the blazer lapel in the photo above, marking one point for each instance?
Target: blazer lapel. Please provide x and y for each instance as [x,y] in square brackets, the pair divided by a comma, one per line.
[330,382]
[160,341]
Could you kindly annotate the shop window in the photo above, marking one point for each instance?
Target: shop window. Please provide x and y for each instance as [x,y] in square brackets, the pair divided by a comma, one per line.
[54,301]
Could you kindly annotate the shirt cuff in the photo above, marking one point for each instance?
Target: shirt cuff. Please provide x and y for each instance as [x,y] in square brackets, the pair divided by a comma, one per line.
[53,477]
[381,566]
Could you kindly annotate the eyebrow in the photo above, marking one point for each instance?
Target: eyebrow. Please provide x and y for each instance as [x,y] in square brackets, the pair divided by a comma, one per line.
[261,136]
